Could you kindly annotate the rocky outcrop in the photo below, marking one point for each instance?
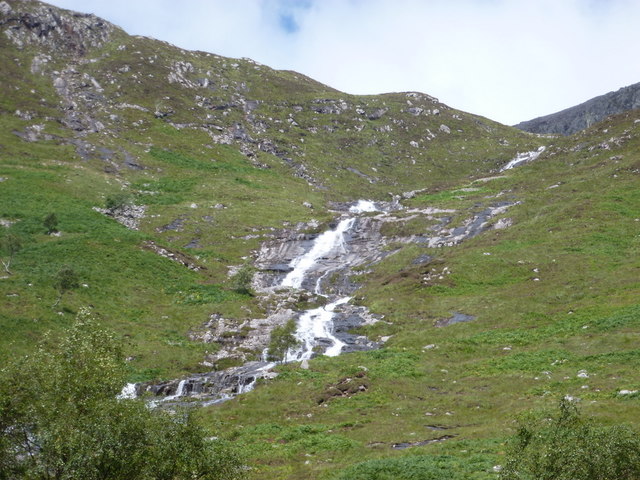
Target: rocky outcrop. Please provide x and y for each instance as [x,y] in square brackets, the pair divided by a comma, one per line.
[574,119]
[60,31]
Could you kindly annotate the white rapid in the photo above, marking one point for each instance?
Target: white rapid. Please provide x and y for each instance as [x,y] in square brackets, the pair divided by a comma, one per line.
[317,324]
[315,327]
[128,392]
[323,245]
[179,392]
[523,158]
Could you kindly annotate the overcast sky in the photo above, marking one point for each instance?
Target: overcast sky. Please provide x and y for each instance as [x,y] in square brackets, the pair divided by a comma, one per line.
[509,60]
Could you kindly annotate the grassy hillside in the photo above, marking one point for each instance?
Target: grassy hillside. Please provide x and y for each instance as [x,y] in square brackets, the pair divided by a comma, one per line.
[555,301]
[224,153]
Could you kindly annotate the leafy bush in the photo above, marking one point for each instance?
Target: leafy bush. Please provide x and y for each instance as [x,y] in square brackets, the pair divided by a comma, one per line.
[565,446]
[50,223]
[117,201]
[282,339]
[60,419]
[241,281]
[66,279]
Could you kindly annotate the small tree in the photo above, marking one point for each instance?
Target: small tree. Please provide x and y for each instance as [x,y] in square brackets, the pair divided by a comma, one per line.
[117,201]
[241,281]
[565,446]
[60,419]
[283,338]
[50,222]
[66,279]
[10,244]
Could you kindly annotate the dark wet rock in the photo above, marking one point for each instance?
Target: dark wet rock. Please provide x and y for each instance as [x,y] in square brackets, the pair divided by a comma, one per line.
[422,259]
[176,226]
[131,162]
[278,267]
[210,386]
[174,255]
[456,318]
[195,243]
[377,113]
[404,445]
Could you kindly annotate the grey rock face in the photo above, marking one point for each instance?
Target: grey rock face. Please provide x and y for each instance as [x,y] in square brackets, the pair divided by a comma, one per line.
[574,119]
[60,30]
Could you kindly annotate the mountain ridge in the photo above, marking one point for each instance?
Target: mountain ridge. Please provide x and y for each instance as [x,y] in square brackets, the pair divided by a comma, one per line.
[581,116]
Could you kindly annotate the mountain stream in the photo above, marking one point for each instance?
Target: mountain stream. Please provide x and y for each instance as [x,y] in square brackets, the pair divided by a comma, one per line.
[328,253]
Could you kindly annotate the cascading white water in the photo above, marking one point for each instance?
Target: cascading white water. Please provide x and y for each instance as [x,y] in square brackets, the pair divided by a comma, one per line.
[247,387]
[324,244]
[364,206]
[318,322]
[314,324]
[523,158]
[128,392]
[179,391]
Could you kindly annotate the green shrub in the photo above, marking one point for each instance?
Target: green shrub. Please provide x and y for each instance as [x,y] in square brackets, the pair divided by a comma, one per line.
[565,446]
[60,418]
[282,339]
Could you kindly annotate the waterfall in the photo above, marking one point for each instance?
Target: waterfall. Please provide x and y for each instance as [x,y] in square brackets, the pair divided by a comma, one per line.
[324,244]
[522,158]
[328,253]
[243,386]
[179,391]
[317,323]
[128,392]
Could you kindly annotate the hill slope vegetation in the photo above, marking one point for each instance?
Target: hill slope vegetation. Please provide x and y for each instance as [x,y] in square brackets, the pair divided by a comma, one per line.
[167,170]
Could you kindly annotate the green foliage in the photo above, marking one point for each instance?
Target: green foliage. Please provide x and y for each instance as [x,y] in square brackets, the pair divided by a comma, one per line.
[282,339]
[60,419]
[565,446]
[50,223]
[65,279]
[117,201]
[10,244]
[241,280]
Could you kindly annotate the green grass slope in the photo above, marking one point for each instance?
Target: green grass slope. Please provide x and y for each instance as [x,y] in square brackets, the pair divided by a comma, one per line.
[223,152]
[555,298]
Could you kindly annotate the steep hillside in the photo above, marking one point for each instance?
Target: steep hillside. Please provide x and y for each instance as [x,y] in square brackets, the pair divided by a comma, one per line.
[465,291]
[214,153]
[574,119]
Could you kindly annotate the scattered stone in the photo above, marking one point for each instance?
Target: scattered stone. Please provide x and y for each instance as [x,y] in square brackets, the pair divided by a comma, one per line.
[443,128]
[175,256]
[175,226]
[627,392]
[422,259]
[127,215]
[346,387]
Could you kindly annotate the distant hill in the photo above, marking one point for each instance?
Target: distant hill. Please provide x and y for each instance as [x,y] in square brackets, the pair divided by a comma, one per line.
[574,119]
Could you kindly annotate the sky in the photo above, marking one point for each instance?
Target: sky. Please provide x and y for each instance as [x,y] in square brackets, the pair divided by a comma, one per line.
[508,60]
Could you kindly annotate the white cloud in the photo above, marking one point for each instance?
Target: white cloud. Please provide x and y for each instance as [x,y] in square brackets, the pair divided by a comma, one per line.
[509,60]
